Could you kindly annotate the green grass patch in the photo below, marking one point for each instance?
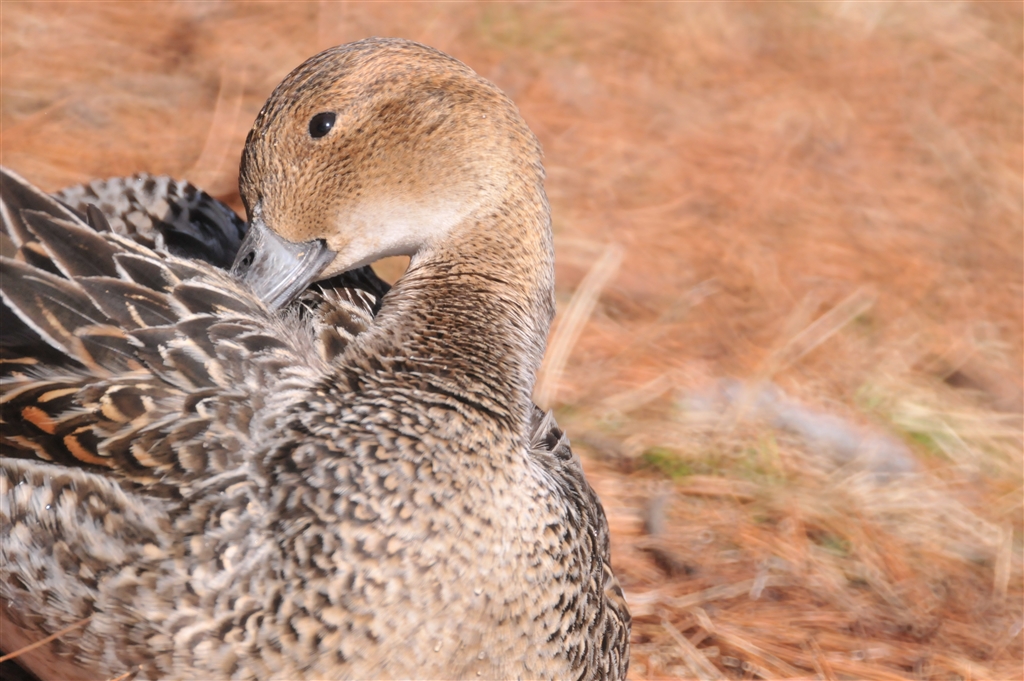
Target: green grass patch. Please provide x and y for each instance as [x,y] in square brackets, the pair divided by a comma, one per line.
[667,462]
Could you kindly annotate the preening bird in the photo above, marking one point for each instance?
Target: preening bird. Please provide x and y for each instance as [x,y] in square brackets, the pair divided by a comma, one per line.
[284,471]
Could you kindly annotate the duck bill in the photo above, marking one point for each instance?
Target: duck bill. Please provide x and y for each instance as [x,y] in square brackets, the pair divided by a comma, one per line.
[276,269]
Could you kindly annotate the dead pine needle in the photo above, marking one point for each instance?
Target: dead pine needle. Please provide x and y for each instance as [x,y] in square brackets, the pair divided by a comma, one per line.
[723,592]
[209,169]
[695,660]
[1004,563]
[127,674]
[824,327]
[765,658]
[42,642]
[571,326]
[818,659]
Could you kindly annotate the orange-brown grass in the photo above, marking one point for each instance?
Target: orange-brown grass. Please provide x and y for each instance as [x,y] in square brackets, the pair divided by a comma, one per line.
[822,201]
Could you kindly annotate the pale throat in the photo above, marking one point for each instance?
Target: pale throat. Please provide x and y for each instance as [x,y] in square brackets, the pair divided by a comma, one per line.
[386,227]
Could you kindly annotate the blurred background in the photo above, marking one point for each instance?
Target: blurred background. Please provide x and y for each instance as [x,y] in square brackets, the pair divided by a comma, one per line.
[790,285]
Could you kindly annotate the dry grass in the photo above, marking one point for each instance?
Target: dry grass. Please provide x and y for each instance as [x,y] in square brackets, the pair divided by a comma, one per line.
[820,200]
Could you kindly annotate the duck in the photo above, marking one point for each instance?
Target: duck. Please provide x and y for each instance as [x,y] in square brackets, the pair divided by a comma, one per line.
[196,484]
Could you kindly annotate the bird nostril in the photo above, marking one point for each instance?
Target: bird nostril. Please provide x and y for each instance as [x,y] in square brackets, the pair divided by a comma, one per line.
[246,262]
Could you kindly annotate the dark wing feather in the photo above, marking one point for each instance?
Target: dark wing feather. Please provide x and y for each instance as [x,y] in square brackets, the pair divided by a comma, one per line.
[16,241]
[53,307]
[89,254]
[18,196]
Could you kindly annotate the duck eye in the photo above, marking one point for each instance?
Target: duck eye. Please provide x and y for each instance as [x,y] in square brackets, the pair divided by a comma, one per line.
[321,124]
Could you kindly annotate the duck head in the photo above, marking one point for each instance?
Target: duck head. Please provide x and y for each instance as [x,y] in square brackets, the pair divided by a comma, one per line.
[375,148]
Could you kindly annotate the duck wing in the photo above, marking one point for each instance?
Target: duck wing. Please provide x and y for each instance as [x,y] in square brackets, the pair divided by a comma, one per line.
[144,365]
[158,212]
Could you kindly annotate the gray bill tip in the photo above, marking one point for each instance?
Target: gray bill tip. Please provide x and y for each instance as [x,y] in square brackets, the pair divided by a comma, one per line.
[276,269]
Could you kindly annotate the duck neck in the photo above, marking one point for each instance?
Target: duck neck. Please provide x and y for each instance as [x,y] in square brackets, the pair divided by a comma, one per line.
[471,315]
